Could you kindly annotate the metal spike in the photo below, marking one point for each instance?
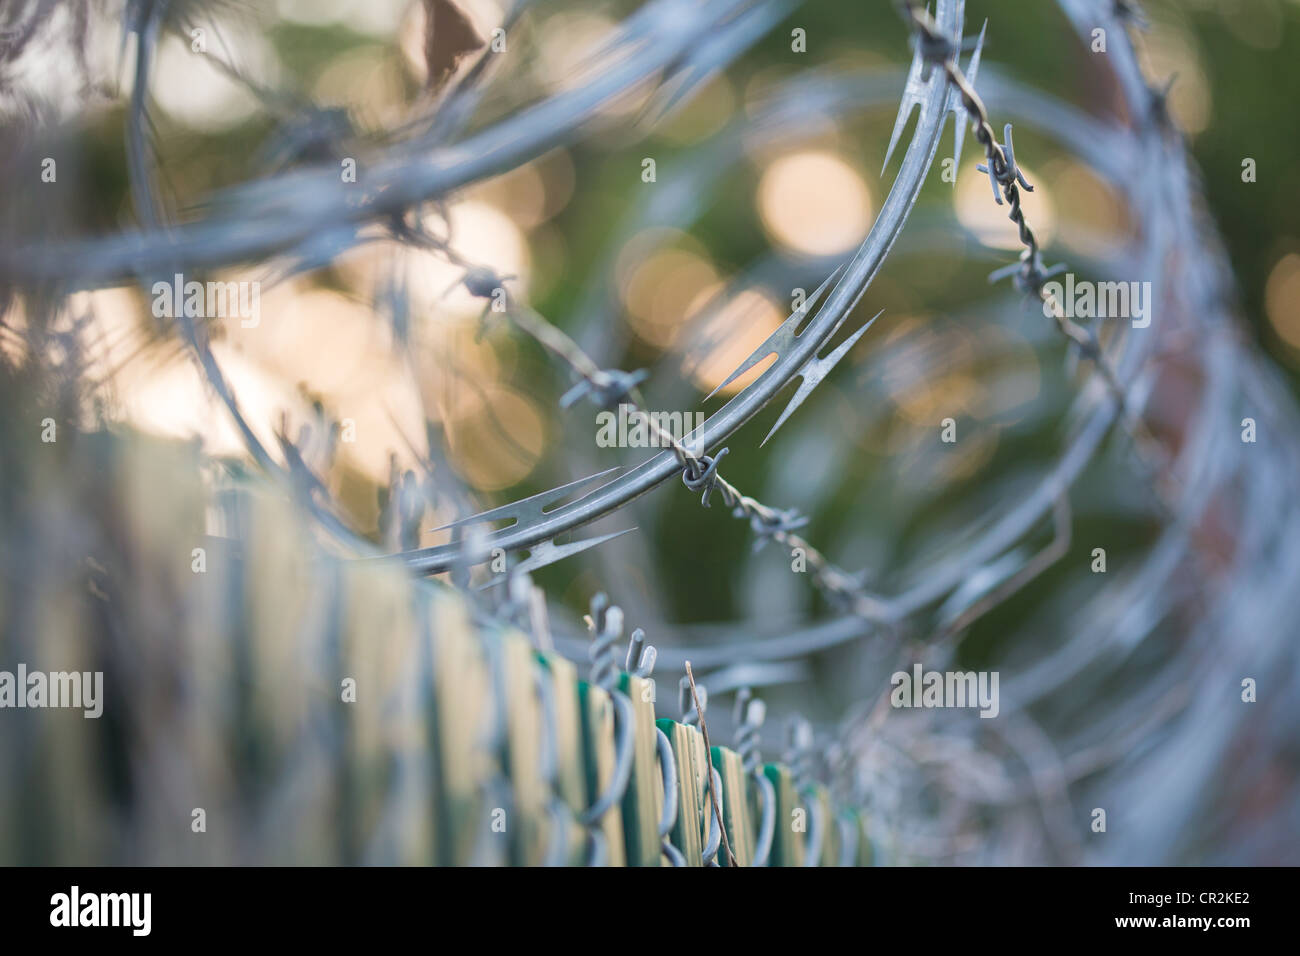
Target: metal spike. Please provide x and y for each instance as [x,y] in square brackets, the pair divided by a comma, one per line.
[914,94]
[528,510]
[916,89]
[646,666]
[783,338]
[635,645]
[743,697]
[548,552]
[599,605]
[816,369]
[641,656]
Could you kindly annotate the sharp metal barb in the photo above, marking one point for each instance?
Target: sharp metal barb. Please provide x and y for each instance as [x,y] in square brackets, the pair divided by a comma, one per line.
[548,552]
[920,84]
[783,338]
[528,510]
[815,371]
[915,94]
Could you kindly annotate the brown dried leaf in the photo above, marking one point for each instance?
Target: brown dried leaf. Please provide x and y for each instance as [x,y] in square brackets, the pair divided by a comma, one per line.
[448,36]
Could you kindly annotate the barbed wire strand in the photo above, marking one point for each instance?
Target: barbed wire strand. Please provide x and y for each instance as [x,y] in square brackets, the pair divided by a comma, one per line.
[1030,273]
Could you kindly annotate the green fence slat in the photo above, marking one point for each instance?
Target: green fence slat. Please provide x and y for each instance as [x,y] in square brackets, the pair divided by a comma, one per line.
[528,827]
[816,795]
[462,692]
[571,776]
[737,816]
[643,802]
[791,827]
[570,771]
[599,748]
[687,745]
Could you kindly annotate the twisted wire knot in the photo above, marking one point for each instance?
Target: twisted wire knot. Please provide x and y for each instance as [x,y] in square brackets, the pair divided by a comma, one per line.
[1002,169]
[935,47]
[701,474]
[606,626]
[482,282]
[800,754]
[750,713]
[1029,272]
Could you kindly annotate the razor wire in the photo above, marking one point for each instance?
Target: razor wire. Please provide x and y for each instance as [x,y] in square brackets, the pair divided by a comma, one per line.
[658,39]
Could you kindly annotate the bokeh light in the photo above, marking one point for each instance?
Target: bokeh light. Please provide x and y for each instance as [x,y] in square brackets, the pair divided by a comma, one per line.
[661,290]
[814,203]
